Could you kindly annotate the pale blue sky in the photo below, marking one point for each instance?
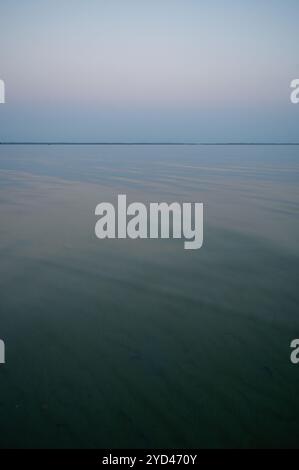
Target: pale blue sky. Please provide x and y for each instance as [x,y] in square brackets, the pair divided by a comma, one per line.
[149,70]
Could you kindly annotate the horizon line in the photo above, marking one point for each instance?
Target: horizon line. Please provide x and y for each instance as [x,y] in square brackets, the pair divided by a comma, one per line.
[145,143]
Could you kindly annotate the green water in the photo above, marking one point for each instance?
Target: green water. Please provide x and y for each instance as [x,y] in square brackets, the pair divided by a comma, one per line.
[123,343]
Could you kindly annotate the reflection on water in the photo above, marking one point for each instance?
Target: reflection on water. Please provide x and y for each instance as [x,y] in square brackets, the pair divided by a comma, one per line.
[123,343]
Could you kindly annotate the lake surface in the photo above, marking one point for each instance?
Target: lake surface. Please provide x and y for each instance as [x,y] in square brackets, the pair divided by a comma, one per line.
[140,343]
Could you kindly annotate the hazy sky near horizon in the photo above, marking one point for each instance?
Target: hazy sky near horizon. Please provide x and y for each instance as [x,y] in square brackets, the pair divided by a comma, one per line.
[149,70]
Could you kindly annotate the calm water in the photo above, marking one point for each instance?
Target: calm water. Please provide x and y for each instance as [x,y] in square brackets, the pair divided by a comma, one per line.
[122,343]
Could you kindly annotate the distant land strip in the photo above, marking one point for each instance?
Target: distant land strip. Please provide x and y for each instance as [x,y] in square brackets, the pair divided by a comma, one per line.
[150,143]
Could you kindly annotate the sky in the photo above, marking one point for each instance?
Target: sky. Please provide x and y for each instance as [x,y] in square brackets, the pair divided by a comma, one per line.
[149,70]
